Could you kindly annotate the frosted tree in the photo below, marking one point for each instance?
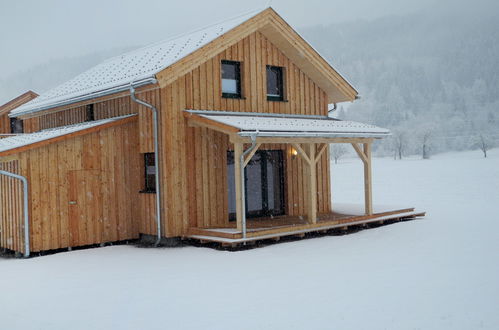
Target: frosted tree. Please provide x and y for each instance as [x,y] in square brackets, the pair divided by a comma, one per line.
[484,144]
[399,144]
[338,151]
[424,141]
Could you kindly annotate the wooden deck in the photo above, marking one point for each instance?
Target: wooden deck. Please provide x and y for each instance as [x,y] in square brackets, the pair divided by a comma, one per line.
[275,227]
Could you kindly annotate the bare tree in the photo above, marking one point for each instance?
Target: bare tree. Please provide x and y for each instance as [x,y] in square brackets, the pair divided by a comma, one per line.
[483,144]
[425,141]
[338,151]
[399,144]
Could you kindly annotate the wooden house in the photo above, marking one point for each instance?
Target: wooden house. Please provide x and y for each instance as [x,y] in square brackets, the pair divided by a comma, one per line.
[218,135]
[13,125]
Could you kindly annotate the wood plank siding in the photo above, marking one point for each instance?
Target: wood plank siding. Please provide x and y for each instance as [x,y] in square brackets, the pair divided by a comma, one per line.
[83,190]
[11,209]
[193,160]
[4,124]
[108,165]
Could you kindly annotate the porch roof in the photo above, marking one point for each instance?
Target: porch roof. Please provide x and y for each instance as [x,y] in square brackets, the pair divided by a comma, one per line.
[276,125]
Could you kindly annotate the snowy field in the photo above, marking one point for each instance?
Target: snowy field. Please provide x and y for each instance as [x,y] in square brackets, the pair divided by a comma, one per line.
[441,272]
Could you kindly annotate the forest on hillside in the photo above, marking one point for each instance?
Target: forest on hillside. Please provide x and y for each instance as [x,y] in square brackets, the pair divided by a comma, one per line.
[431,78]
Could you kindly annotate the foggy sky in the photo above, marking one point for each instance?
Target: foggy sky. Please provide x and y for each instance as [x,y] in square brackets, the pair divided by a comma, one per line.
[34,32]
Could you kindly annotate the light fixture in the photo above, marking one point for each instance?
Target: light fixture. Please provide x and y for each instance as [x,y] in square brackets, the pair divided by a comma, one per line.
[294,153]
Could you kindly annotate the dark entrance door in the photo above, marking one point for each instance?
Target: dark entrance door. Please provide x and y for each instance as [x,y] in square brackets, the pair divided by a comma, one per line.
[264,185]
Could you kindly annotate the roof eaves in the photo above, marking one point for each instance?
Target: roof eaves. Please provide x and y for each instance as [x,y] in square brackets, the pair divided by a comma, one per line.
[48,136]
[89,96]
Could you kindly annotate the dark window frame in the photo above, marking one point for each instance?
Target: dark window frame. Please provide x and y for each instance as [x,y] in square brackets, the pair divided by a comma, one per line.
[16,126]
[89,112]
[280,84]
[149,179]
[239,93]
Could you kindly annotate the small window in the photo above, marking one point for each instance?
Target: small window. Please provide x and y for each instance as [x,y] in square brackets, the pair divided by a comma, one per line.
[231,79]
[275,83]
[90,116]
[16,126]
[149,173]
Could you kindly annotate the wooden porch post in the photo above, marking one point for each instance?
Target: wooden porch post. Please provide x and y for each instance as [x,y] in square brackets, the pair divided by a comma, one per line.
[238,168]
[312,186]
[368,195]
[311,158]
[365,156]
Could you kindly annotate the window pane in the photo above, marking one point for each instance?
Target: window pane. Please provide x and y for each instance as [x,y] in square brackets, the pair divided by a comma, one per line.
[16,126]
[274,81]
[229,71]
[150,172]
[231,79]
[229,86]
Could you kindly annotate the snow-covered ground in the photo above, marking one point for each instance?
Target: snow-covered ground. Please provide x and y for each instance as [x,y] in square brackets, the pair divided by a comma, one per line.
[441,272]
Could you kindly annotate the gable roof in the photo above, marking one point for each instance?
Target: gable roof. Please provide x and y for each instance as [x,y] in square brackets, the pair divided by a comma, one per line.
[167,60]
[12,145]
[18,101]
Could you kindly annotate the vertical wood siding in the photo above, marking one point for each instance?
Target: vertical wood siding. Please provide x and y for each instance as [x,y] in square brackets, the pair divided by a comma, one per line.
[193,160]
[83,190]
[11,209]
[4,124]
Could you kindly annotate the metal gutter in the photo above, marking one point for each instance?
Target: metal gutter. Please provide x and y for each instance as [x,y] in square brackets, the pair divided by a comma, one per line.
[316,135]
[89,96]
[156,157]
[258,114]
[25,208]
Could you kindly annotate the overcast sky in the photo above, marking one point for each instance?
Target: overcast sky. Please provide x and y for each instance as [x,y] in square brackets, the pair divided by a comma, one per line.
[34,32]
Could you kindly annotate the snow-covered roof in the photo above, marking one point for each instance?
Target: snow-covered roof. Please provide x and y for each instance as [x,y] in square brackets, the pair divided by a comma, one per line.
[140,65]
[286,125]
[21,140]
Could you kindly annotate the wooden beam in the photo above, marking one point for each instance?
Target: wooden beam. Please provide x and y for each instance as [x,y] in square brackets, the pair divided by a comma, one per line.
[311,175]
[251,154]
[361,153]
[238,170]
[368,180]
[196,120]
[302,153]
[321,151]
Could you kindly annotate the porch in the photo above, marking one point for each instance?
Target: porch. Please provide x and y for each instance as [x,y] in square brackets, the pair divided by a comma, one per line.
[308,137]
[345,215]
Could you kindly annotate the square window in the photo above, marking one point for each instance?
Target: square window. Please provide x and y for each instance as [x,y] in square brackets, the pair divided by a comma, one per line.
[231,79]
[90,115]
[16,126]
[275,83]
[149,173]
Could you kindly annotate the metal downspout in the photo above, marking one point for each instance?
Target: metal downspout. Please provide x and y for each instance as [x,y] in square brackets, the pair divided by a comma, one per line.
[156,158]
[25,208]
[243,156]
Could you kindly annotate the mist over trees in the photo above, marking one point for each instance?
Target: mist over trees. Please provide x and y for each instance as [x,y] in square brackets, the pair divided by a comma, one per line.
[41,78]
[431,78]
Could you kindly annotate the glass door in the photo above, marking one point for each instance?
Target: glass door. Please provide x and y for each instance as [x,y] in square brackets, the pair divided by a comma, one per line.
[264,184]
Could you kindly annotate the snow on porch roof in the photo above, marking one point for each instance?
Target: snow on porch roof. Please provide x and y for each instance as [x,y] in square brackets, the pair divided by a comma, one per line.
[22,140]
[140,65]
[286,125]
